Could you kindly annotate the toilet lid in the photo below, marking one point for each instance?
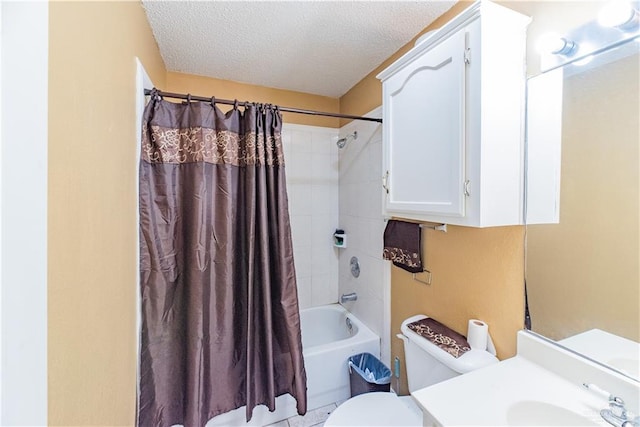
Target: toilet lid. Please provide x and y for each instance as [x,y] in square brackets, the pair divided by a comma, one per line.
[373,409]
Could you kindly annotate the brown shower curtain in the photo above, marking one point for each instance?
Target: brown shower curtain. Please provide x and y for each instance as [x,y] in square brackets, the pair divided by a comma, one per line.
[220,320]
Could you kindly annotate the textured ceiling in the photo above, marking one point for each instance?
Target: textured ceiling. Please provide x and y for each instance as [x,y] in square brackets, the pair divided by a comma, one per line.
[319,47]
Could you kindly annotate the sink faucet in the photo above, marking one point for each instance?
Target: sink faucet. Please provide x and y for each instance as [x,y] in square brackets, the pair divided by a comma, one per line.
[348,297]
[616,414]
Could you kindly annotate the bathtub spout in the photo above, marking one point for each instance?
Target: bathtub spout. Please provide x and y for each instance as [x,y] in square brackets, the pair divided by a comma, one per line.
[348,297]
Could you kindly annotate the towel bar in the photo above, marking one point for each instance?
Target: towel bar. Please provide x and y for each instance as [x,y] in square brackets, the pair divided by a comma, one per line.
[428,282]
[439,227]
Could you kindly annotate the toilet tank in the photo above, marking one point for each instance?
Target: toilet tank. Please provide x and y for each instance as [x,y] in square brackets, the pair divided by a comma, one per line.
[428,364]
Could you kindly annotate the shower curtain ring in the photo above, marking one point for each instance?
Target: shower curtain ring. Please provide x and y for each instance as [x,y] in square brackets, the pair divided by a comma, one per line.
[189,98]
[155,96]
[213,101]
[235,104]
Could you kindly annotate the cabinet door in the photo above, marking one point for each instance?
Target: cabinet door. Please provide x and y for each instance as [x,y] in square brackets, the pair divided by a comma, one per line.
[424,132]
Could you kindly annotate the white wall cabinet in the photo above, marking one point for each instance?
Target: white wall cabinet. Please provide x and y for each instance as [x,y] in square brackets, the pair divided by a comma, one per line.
[453,109]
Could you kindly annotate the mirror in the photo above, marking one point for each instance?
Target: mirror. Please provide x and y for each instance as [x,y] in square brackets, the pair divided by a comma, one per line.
[582,273]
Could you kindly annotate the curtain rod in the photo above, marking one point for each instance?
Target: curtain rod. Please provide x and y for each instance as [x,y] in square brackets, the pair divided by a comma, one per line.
[283,109]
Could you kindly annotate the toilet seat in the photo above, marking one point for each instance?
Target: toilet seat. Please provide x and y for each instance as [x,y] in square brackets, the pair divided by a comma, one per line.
[375,409]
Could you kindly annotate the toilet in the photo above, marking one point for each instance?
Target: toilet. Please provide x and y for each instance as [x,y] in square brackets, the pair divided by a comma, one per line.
[426,364]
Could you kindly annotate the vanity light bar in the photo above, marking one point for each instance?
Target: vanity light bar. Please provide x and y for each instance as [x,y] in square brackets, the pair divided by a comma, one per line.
[617,23]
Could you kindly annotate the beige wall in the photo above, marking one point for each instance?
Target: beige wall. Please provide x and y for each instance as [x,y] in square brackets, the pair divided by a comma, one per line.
[477,274]
[225,89]
[92,199]
[92,208]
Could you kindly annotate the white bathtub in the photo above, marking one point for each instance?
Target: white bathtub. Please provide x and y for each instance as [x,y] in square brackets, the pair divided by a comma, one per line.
[327,344]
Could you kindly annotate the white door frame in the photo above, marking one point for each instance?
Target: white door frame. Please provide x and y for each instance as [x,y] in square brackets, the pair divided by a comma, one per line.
[143,81]
[24,50]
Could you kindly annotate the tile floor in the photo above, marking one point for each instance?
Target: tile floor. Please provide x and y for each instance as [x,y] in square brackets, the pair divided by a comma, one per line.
[314,418]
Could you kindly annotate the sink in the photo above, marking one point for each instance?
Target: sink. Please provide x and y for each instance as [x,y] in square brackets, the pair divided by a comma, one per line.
[535,413]
[541,386]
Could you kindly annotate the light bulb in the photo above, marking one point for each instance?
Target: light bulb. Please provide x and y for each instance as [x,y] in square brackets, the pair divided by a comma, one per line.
[618,14]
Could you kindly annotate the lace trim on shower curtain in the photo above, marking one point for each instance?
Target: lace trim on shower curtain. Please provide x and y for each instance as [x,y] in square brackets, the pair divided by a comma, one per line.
[198,144]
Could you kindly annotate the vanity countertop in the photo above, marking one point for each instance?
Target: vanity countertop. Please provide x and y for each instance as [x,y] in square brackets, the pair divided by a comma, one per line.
[515,391]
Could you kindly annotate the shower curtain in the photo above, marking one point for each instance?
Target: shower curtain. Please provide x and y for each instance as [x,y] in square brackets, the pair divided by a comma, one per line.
[220,319]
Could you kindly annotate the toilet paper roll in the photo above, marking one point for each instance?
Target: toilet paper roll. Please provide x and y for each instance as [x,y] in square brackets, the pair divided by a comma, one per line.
[478,334]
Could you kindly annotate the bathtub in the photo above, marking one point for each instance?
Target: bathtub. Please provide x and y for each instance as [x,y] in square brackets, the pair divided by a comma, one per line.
[327,343]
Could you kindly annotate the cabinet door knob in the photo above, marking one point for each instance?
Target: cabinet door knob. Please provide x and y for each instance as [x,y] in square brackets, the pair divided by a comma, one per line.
[466,188]
[385,182]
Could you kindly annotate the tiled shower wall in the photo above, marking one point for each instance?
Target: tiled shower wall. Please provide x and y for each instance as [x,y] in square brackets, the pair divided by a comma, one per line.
[328,189]
[311,162]
[360,202]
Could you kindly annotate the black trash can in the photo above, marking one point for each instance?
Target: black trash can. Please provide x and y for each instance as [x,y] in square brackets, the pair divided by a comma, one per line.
[367,374]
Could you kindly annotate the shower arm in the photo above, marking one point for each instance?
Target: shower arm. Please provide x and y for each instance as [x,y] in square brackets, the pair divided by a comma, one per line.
[343,141]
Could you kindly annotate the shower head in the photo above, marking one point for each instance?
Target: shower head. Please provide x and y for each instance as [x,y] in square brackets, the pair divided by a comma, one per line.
[343,141]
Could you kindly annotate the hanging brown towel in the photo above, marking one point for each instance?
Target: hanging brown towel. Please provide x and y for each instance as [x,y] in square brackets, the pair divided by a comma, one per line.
[402,245]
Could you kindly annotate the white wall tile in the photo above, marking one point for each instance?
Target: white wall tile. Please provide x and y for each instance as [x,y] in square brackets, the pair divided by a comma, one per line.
[304,292]
[321,198]
[298,167]
[321,170]
[300,199]
[302,259]
[324,260]
[324,289]
[300,140]
[334,201]
[333,170]
[371,313]
[375,230]
[300,230]
[375,161]
[312,184]
[322,228]
[360,207]
[286,146]
[328,189]
[372,277]
[358,235]
[345,199]
[322,142]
